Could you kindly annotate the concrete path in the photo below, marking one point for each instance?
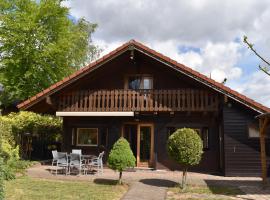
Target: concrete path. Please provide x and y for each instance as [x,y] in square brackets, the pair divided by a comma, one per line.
[141,191]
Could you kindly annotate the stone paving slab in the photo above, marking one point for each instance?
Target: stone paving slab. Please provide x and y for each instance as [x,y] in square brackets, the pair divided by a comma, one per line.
[141,191]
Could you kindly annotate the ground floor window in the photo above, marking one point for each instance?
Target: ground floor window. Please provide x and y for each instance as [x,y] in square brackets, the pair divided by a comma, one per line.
[87,137]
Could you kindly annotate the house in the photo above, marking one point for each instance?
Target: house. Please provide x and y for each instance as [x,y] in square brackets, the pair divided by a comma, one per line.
[145,96]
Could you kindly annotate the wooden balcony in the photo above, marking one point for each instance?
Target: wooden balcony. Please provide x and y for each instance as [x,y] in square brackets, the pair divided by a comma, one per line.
[139,100]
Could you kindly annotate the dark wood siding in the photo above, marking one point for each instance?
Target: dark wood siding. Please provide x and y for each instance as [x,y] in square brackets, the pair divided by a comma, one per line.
[112,127]
[242,154]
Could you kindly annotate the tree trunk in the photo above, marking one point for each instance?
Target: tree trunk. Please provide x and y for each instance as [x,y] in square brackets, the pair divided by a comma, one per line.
[184,178]
[120,178]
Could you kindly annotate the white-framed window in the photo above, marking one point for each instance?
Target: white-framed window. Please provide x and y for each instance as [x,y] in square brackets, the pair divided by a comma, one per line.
[87,137]
[253,130]
[136,82]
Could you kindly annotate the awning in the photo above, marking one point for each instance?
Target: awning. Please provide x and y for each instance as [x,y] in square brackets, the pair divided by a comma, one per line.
[95,114]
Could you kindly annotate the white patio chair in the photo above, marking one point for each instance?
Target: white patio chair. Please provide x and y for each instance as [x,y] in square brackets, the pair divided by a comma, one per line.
[78,151]
[62,161]
[55,157]
[97,162]
[76,162]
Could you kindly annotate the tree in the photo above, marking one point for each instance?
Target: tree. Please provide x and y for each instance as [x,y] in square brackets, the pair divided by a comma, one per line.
[121,157]
[40,43]
[185,147]
[265,69]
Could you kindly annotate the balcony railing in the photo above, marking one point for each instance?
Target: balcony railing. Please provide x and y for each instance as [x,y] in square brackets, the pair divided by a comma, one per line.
[139,100]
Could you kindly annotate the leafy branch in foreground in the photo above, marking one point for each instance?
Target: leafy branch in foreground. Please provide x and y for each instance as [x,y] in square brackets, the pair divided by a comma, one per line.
[265,69]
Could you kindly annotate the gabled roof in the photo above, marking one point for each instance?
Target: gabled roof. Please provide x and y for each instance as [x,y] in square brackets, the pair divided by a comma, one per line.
[155,55]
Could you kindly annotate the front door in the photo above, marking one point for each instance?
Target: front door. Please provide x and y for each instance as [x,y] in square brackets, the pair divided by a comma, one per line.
[141,139]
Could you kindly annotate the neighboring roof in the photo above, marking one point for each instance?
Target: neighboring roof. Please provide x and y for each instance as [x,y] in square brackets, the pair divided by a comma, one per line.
[158,56]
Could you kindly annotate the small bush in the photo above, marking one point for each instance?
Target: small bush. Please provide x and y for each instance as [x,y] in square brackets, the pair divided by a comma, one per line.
[185,147]
[1,180]
[121,157]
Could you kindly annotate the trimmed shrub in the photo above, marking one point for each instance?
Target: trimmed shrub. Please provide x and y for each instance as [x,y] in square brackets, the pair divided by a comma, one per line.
[121,157]
[185,147]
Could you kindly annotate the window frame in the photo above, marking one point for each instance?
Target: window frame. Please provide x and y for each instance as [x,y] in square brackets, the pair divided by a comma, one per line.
[267,136]
[142,77]
[88,145]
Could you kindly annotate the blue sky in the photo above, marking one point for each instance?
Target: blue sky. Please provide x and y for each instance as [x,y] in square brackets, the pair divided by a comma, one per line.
[205,35]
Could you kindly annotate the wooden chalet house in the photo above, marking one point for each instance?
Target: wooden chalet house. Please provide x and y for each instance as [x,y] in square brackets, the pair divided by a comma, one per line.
[145,96]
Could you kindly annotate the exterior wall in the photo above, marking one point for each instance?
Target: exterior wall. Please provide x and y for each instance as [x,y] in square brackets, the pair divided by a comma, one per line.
[210,160]
[242,154]
[112,127]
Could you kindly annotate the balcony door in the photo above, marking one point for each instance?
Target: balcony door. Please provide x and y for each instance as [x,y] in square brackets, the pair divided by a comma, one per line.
[141,139]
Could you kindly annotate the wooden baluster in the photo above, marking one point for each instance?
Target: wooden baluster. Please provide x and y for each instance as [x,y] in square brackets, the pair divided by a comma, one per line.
[173,94]
[90,99]
[188,100]
[107,100]
[102,98]
[141,100]
[85,100]
[112,101]
[160,100]
[169,100]
[121,100]
[125,100]
[178,96]
[117,96]
[133,107]
[151,97]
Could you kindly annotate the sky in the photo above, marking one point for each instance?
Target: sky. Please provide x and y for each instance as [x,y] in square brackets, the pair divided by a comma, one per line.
[206,35]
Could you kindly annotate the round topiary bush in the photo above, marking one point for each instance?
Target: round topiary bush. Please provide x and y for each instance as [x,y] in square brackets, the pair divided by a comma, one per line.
[185,147]
[121,157]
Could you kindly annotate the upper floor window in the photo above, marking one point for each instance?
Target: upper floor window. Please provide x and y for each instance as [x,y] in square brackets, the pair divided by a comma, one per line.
[139,82]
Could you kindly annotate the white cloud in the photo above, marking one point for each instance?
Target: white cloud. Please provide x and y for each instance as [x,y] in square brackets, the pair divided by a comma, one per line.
[209,25]
[256,86]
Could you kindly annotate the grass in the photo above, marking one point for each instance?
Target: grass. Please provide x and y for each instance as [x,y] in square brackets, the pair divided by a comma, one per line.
[231,191]
[26,188]
[203,192]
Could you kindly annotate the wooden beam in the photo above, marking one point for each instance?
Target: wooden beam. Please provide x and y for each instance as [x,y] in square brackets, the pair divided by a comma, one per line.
[263,125]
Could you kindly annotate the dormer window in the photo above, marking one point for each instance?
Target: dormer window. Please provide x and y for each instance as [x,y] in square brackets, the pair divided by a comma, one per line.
[139,82]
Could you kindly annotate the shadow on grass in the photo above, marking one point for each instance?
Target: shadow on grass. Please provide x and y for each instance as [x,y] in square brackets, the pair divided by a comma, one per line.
[231,186]
[104,181]
[158,182]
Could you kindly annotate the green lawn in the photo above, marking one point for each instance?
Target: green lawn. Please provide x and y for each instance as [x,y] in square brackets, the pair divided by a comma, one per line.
[26,188]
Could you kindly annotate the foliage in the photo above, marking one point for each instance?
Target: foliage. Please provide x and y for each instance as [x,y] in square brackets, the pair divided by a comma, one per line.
[1,178]
[15,124]
[185,147]
[40,43]
[121,157]
[12,127]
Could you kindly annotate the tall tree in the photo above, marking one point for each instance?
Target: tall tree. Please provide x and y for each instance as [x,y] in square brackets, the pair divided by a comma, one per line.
[40,43]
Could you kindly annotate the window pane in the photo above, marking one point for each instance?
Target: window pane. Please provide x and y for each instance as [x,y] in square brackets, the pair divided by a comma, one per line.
[253,131]
[147,83]
[134,82]
[87,136]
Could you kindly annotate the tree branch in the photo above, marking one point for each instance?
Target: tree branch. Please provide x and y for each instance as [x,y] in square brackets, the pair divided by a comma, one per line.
[264,69]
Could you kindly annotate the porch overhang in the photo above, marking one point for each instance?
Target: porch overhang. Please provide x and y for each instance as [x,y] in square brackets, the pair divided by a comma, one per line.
[95,114]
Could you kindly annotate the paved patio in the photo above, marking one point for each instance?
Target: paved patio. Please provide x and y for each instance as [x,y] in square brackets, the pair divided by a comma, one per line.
[153,184]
